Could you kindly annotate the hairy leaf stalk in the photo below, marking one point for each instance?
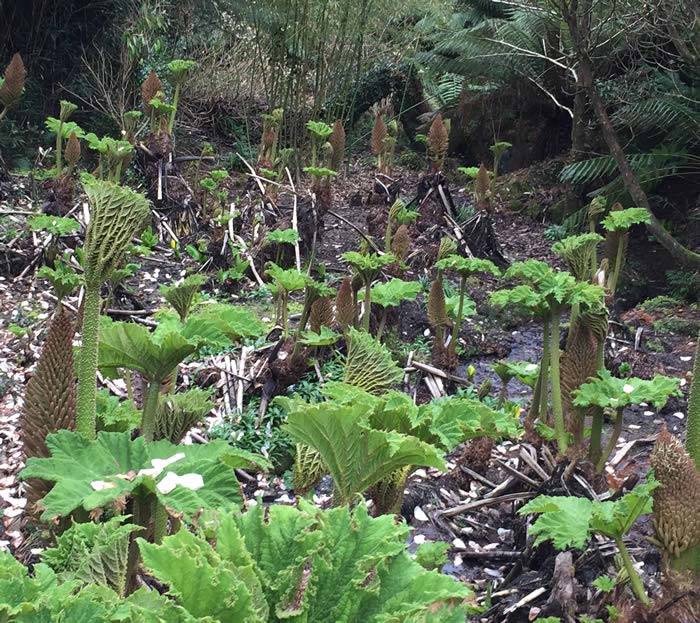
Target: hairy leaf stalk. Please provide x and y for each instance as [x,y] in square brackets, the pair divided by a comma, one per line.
[87,366]
[635,580]
[150,408]
[544,371]
[557,407]
[692,440]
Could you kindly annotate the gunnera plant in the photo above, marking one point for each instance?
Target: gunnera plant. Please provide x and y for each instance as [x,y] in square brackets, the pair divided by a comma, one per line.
[272,124]
[117,213]
[178,72]
[498,149]
[369,364]
[345,305]
[379,134]
[368,267]
[618,223]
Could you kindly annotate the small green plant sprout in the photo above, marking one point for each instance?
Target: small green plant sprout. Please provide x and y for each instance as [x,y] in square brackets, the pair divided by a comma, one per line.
[130,125]
[617,223]
[63,129]
[285,281]
[498,149]
[57,226]
[547,294]
[238,267]
[470,172]
[12,84]
[624,369]
[182,296]
[368,267]
[117,213]
[63,279]
[432,555]
[569,522]
[324,337]
[161,113]
[178,72]
[464,267]
[281,237]
[391,223]
[114,156]
[608,394]
[392,294]
[320,132]
[319,173]
[525,371]
[605,584]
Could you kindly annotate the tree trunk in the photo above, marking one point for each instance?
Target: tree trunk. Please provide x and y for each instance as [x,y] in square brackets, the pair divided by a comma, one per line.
[577,17]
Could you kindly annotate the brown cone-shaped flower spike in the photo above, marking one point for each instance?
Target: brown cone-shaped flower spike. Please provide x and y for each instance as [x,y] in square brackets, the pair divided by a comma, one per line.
[482,186]
[677,500]
[49,401]
[72,151]
[337,140]
[345,305]
[379,133]
[437,309]
[12,87]
[401,243]
[149,89]
[321,314]
[438,140]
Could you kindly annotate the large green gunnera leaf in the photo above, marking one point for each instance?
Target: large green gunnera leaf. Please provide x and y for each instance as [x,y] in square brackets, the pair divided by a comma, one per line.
[356,455]
[284,563]
[95,474]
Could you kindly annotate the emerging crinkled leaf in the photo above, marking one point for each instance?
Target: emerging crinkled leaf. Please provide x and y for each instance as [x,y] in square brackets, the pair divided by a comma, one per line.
[198,579]
[93,553]
[94,474]
[622,220]
[117,213]
[525,371]
[357,456]
[182,295]
[369,364]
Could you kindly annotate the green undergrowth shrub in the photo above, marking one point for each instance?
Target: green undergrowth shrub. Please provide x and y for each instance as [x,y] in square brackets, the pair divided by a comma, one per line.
[337,566]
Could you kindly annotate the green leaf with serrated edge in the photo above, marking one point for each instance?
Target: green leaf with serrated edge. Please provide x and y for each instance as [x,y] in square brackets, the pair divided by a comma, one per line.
[93,474]
[289,280]
[197,578]
[131,346]
[467,265]
[56,225]
[622,220]
[563,520]
[569,521]
[609,392]
[368,263]
[282,236]
[604,583]
[393,292]
[325,337]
